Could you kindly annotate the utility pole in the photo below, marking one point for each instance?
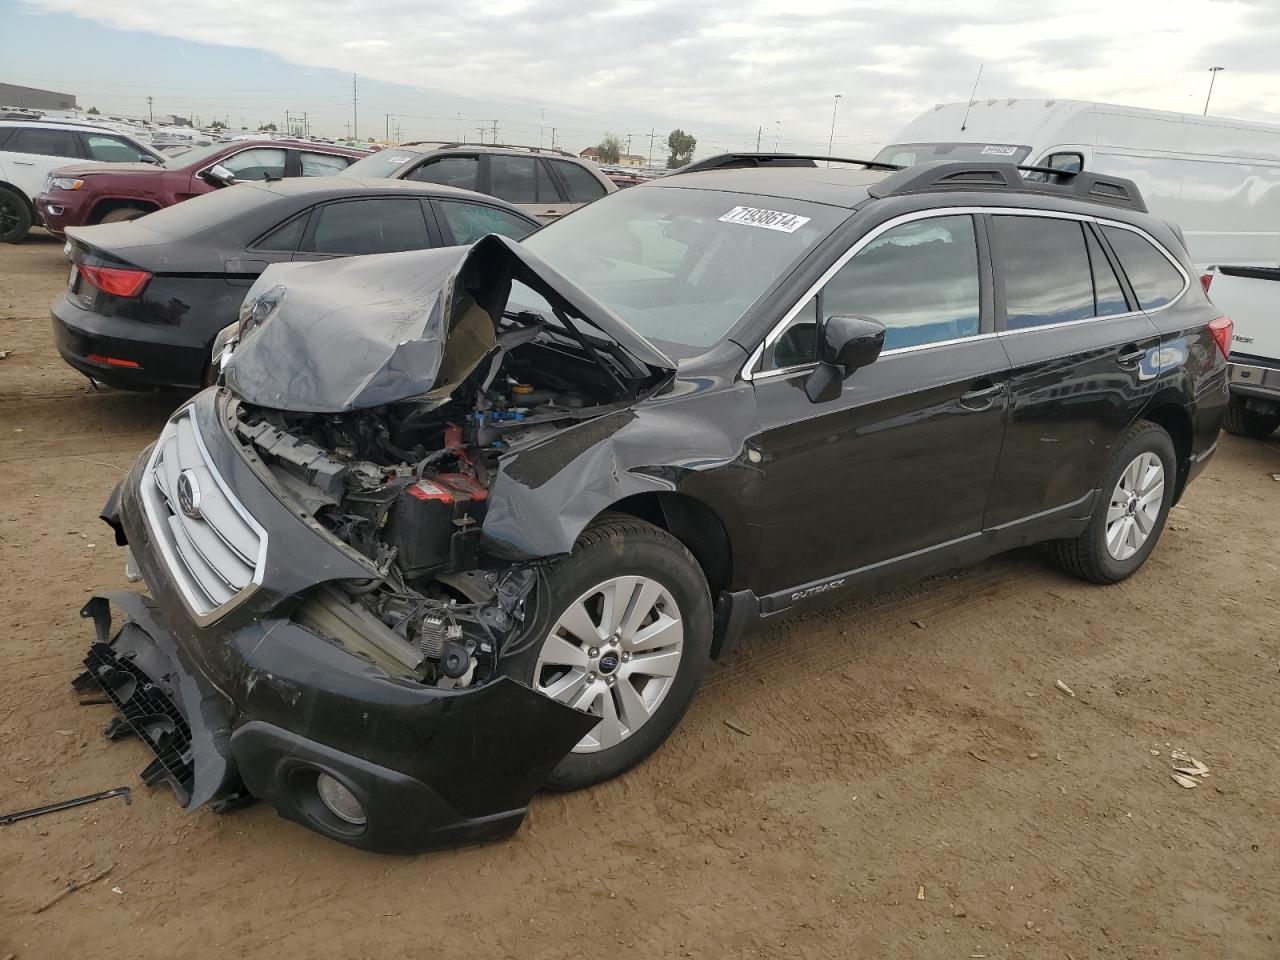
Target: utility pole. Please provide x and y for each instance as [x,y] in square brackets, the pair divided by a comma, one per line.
[387,135]
[759,130]
[355,117]
[553,138]
[777,134]
[652,137]
[542,122]
[150,112]
[835,105]
[460,140]
[1213,75]
[629,136]
[480,130]
[495,131]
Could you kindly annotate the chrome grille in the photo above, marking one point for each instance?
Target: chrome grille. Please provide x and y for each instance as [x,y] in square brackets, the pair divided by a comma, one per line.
[213,548]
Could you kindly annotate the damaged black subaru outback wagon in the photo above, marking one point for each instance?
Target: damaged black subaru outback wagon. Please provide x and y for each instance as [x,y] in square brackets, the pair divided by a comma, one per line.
[460,524]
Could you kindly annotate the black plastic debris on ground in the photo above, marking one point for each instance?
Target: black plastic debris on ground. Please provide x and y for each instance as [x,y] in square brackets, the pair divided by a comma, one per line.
[146,712]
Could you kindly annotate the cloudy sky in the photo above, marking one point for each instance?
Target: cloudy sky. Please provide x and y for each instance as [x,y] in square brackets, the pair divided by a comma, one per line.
[720,69]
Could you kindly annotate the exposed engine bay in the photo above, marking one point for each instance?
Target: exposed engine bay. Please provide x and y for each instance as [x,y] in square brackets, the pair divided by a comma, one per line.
[406,485]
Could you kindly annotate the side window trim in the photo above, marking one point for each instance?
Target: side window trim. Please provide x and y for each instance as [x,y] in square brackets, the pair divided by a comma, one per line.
[561,186]
[751,369]
[1130,295]
[303,215]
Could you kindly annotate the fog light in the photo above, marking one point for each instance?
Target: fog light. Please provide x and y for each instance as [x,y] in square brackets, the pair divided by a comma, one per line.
[340,801]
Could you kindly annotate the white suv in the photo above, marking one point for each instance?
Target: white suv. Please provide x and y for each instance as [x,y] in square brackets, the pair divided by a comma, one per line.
[30,150]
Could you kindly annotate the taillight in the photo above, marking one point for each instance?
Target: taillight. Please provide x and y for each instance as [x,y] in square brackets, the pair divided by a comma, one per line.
[118,281]
[1205,280]
[1220,330]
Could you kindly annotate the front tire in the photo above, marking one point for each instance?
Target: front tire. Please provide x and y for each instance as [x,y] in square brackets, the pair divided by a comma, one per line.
[622,630]
[1244,421]
[15,216]
[121,214]
[1137,493]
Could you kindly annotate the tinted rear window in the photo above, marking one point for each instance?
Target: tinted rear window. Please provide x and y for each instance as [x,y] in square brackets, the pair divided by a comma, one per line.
[1154,279]
[1047,276]
[380,225]
[47,143]
[583,187]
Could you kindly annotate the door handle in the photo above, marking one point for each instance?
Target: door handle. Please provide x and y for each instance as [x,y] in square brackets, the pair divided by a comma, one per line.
[1130,354]
[982,395]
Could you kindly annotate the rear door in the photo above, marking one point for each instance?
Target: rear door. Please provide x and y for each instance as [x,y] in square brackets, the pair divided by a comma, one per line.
[580,185]
[344,228]
[461,170]
[35,152]
[1082,357]
[896,470]
[526,181]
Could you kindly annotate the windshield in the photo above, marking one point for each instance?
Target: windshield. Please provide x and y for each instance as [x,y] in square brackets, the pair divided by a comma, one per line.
[194,155]
[384,163]
[909,154]
[679,266]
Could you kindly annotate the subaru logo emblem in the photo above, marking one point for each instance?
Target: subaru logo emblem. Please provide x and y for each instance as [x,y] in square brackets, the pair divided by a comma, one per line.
[189,494]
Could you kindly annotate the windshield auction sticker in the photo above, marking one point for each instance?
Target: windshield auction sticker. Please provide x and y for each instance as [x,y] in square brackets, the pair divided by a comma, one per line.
[768,219]
[996,150]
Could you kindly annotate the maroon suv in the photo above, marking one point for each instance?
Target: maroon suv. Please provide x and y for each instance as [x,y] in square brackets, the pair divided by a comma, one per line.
[75,196]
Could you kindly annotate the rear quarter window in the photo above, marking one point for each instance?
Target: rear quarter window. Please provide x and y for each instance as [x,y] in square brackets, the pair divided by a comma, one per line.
[1154,279]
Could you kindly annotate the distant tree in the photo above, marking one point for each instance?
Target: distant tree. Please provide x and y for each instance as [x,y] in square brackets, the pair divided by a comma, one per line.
[681,145]
[268,126]
[610,148]
[93,111]
[217,125]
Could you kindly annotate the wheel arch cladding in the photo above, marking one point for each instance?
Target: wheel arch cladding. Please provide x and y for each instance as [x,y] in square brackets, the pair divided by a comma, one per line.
[694,523]
[1173,418]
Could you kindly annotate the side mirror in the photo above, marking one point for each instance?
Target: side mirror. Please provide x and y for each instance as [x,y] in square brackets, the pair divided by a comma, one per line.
[844,345]
[218,175]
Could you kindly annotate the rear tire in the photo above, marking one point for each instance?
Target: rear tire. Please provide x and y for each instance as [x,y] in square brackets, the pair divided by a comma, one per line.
[1131,511]
[121,214]
[1246,422]
[15,216]
[639,679]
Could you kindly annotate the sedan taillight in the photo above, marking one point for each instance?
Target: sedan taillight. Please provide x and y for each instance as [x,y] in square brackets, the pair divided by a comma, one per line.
[118,281]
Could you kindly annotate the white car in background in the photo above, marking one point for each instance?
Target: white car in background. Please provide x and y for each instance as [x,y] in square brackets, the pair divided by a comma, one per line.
[1250,296]
[31,150]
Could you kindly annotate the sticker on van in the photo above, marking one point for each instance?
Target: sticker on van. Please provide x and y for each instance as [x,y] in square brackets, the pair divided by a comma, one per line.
[769,219]
[998,151]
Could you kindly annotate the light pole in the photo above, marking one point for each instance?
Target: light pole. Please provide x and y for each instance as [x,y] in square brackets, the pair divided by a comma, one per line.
[777,134]
[1213,75]
[835,105]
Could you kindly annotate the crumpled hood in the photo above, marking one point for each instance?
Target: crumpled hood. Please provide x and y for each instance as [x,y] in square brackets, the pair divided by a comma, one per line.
[364,331]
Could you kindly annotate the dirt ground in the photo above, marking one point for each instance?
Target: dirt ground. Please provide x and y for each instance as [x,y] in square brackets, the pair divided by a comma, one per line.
[897,777]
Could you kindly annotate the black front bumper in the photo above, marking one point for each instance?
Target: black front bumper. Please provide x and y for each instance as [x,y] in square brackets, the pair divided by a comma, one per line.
[253,704]
[431,768]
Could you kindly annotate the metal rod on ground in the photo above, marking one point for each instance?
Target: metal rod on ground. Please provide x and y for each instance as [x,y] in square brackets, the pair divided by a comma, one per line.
[72,888]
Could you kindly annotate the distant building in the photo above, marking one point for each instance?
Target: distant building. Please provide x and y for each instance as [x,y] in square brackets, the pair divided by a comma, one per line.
[631,160]
[33,99]
[591,153]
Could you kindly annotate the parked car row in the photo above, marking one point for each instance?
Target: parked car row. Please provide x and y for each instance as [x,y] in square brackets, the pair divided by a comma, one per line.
[458,523]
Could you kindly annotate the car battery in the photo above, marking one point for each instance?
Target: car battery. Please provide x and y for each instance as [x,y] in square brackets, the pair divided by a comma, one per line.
[427,515]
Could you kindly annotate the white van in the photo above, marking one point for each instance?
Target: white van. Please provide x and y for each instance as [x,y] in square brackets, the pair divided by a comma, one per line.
[1219,180]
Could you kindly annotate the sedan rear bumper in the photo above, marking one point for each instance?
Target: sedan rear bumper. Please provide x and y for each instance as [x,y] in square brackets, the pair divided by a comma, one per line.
[124,353]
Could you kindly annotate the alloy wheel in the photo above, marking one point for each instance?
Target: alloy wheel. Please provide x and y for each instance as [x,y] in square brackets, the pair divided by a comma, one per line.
[614,652]
[1135,506]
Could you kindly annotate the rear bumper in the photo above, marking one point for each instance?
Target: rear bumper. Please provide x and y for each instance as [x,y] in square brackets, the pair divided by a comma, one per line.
[82,336]
[1254,377]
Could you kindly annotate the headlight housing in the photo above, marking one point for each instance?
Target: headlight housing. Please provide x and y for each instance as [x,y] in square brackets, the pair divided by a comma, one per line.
[65,183]
[256,309]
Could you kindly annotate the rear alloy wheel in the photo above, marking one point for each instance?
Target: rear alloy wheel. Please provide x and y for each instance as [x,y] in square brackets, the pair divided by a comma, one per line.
[1253,420]
[121,214]
[1136,494]
[623,628]
[15,216]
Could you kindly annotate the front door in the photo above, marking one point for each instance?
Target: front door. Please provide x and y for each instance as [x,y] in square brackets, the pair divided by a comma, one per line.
[1083,358]
[894,473]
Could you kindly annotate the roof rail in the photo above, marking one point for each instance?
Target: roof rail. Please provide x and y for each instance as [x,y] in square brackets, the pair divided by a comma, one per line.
[726,161]
[438,145]
[978,176]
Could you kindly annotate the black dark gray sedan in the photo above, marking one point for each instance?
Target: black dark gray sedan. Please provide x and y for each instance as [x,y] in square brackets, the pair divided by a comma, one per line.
[145,299]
